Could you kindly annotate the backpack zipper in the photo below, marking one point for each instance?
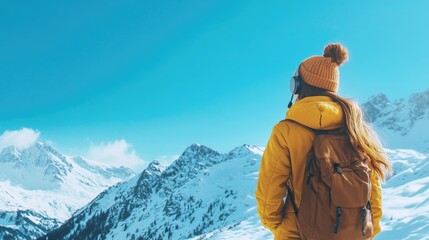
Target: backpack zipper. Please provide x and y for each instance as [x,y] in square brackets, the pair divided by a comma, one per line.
[337,222]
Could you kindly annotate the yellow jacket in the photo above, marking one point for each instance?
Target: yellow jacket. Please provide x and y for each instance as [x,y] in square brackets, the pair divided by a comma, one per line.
[284,161]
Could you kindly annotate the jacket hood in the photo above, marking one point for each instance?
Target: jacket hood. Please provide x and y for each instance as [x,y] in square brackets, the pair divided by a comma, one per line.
[317,112]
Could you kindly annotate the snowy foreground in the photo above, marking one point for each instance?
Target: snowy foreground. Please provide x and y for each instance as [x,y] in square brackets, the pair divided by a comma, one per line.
[406,197]
[205,194]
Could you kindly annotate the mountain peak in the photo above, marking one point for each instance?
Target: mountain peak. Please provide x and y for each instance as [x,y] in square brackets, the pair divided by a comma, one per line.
[245,150]
[419,105]
[41,145]
[155,167]
[198,150]
[193,160]
[402,123]
[375,106]
[44,155]
[10,154]
[195,146]
[379,98]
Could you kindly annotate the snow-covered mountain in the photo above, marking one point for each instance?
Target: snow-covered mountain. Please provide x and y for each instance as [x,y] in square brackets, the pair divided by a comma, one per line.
[401,123]
[40,188]
[202,192]
[205,194]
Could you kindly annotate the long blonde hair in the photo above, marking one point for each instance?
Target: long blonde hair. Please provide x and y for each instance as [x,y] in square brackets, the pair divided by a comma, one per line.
[362,136]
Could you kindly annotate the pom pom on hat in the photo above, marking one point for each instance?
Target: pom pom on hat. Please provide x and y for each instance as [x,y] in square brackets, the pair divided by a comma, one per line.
[337,52]
[322,71]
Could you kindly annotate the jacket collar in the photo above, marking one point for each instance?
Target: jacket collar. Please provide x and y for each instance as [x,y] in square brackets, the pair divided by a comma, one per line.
[317,112]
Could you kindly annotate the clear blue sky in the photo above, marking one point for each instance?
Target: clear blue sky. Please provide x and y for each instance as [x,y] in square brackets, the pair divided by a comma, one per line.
[165,74]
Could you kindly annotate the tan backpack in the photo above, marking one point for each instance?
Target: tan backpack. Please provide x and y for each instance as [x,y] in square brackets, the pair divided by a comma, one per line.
[335,201]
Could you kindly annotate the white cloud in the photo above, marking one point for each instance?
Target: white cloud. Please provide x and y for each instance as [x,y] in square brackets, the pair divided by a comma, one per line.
[116,153]
[167,160]
[21,139]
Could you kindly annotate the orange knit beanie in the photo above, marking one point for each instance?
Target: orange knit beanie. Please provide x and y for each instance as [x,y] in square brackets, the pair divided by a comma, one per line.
[322,71]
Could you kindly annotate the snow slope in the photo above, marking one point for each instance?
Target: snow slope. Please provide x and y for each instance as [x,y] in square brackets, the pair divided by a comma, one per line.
[48,187]
[406,197]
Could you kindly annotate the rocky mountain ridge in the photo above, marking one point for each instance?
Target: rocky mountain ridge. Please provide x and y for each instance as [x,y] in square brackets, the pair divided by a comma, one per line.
[197,193]
[401,123]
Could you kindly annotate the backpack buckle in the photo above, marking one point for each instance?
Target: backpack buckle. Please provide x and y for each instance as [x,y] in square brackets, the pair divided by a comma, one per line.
[337,168]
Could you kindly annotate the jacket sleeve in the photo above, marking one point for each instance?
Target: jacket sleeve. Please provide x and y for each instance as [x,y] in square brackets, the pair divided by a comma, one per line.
[273,175]
[376,202]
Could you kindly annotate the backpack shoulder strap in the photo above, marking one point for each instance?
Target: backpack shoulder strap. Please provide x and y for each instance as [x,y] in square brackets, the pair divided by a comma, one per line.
[317,132]
[289,190]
